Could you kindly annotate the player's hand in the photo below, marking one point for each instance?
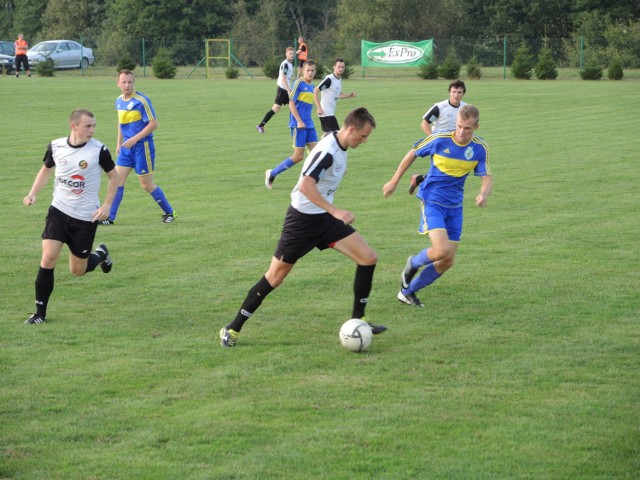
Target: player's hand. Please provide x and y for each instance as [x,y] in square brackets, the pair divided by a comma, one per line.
[346,216]
[301,125]
[29,200]
[102,213]
[481,201]
[389,188]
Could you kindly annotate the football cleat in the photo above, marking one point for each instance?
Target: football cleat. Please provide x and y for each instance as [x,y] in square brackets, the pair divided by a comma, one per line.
[268,179]
[228,337]
[106,223]
[410,299]
[106,262]
[260,129]
[407,273]
[169,217]
[377,329]
[34,319]
[416,180]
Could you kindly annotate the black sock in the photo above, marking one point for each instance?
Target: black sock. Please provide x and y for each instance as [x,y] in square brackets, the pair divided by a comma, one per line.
[44,287]
[267,117]
[361,289]
[93,262]
[251,303]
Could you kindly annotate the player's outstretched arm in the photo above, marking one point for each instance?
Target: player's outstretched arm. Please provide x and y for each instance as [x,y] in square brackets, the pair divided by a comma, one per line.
[41,180]
[407,161]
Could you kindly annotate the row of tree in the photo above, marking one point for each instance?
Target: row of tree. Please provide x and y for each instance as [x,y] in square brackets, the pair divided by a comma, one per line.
[261,29]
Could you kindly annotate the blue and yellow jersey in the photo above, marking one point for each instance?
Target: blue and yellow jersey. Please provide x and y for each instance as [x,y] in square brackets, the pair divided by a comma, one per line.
[302,95]
[451,163]
[134,115]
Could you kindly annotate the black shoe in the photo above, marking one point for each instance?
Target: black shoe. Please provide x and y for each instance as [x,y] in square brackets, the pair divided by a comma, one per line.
[169,217]
[106,262]
[407,273]
[106,222]
[35,318]
[410,299]
[377,329]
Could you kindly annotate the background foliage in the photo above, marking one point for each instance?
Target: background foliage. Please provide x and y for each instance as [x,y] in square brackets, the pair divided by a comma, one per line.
[262,29]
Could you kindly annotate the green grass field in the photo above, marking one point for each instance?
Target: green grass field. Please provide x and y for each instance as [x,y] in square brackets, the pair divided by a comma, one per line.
[524,365]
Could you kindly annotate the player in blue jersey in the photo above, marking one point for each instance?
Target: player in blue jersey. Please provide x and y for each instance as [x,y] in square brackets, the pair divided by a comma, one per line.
[135,147]
[453,156]
[313,221]
[301,123]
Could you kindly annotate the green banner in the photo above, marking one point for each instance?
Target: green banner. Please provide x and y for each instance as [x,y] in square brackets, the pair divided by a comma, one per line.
[396,53]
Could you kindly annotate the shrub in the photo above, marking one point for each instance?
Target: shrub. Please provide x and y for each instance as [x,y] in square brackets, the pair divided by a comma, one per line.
[271,68]
[231,72]
[546,66]
[126,63]
[450,68]
[591,71]
[46,68]
[522,63]
[615,69]
[428,71]
[473,69]
[162,64]
[348,71]
[320,71]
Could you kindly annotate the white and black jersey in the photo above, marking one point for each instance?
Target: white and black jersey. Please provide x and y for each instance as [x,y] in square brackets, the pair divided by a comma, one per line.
[331,88]
[286,69]
[327,164]
[77,176]
[442,116]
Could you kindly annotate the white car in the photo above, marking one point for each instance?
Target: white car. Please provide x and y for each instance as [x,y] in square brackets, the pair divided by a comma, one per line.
[64,53]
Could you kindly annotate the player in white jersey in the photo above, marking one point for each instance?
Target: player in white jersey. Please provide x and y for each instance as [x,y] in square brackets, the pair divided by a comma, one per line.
[285,73]
[441,117]
[313,221]
[326,96]
[78,161]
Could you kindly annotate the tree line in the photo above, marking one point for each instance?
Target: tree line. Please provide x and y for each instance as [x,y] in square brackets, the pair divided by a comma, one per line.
[261,29]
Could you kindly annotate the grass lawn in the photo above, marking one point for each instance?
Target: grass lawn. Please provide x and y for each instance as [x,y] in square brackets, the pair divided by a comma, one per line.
[523,365]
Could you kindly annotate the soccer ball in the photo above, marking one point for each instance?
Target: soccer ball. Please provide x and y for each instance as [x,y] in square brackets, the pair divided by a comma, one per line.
[355,335]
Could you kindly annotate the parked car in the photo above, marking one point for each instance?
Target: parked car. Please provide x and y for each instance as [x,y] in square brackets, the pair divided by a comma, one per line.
[7,57]
[64,53]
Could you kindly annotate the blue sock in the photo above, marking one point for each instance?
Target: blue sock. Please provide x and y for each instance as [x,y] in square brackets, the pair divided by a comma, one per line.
[158,196]
[117,200]
[286,164]
[426,277]
[420,259]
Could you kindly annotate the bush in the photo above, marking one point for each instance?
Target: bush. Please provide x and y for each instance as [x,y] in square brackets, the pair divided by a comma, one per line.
[615,69]
[231,72]
[591,71]
[126,63]
[522,63]
[272,68]
[428,71]
[450,68]
[162,64]
[473,69]
[46,68]
[348,71]
[320,71]
[546,66]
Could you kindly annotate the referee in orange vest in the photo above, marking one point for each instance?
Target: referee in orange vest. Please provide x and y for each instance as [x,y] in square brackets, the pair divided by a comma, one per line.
[21,55]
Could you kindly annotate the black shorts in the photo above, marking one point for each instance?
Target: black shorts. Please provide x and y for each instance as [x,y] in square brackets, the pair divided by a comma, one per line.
[77,234]
[24,60]
[302,232]
[282,97]
[329,123]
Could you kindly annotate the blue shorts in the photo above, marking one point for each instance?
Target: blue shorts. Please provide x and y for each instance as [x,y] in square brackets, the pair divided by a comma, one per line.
[303,136]
[433,217]
[141,157]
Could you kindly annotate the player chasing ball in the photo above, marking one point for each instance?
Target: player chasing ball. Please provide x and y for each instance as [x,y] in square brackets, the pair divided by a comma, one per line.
[453,156]
[78,161]
[313,221]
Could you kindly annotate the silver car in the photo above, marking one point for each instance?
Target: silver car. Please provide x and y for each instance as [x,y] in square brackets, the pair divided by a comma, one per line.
[64,53]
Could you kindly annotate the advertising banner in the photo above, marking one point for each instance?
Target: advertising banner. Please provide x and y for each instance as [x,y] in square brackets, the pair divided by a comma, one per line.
[396,53]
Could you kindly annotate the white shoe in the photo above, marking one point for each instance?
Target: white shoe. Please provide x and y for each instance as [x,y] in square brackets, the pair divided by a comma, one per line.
[268,182]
